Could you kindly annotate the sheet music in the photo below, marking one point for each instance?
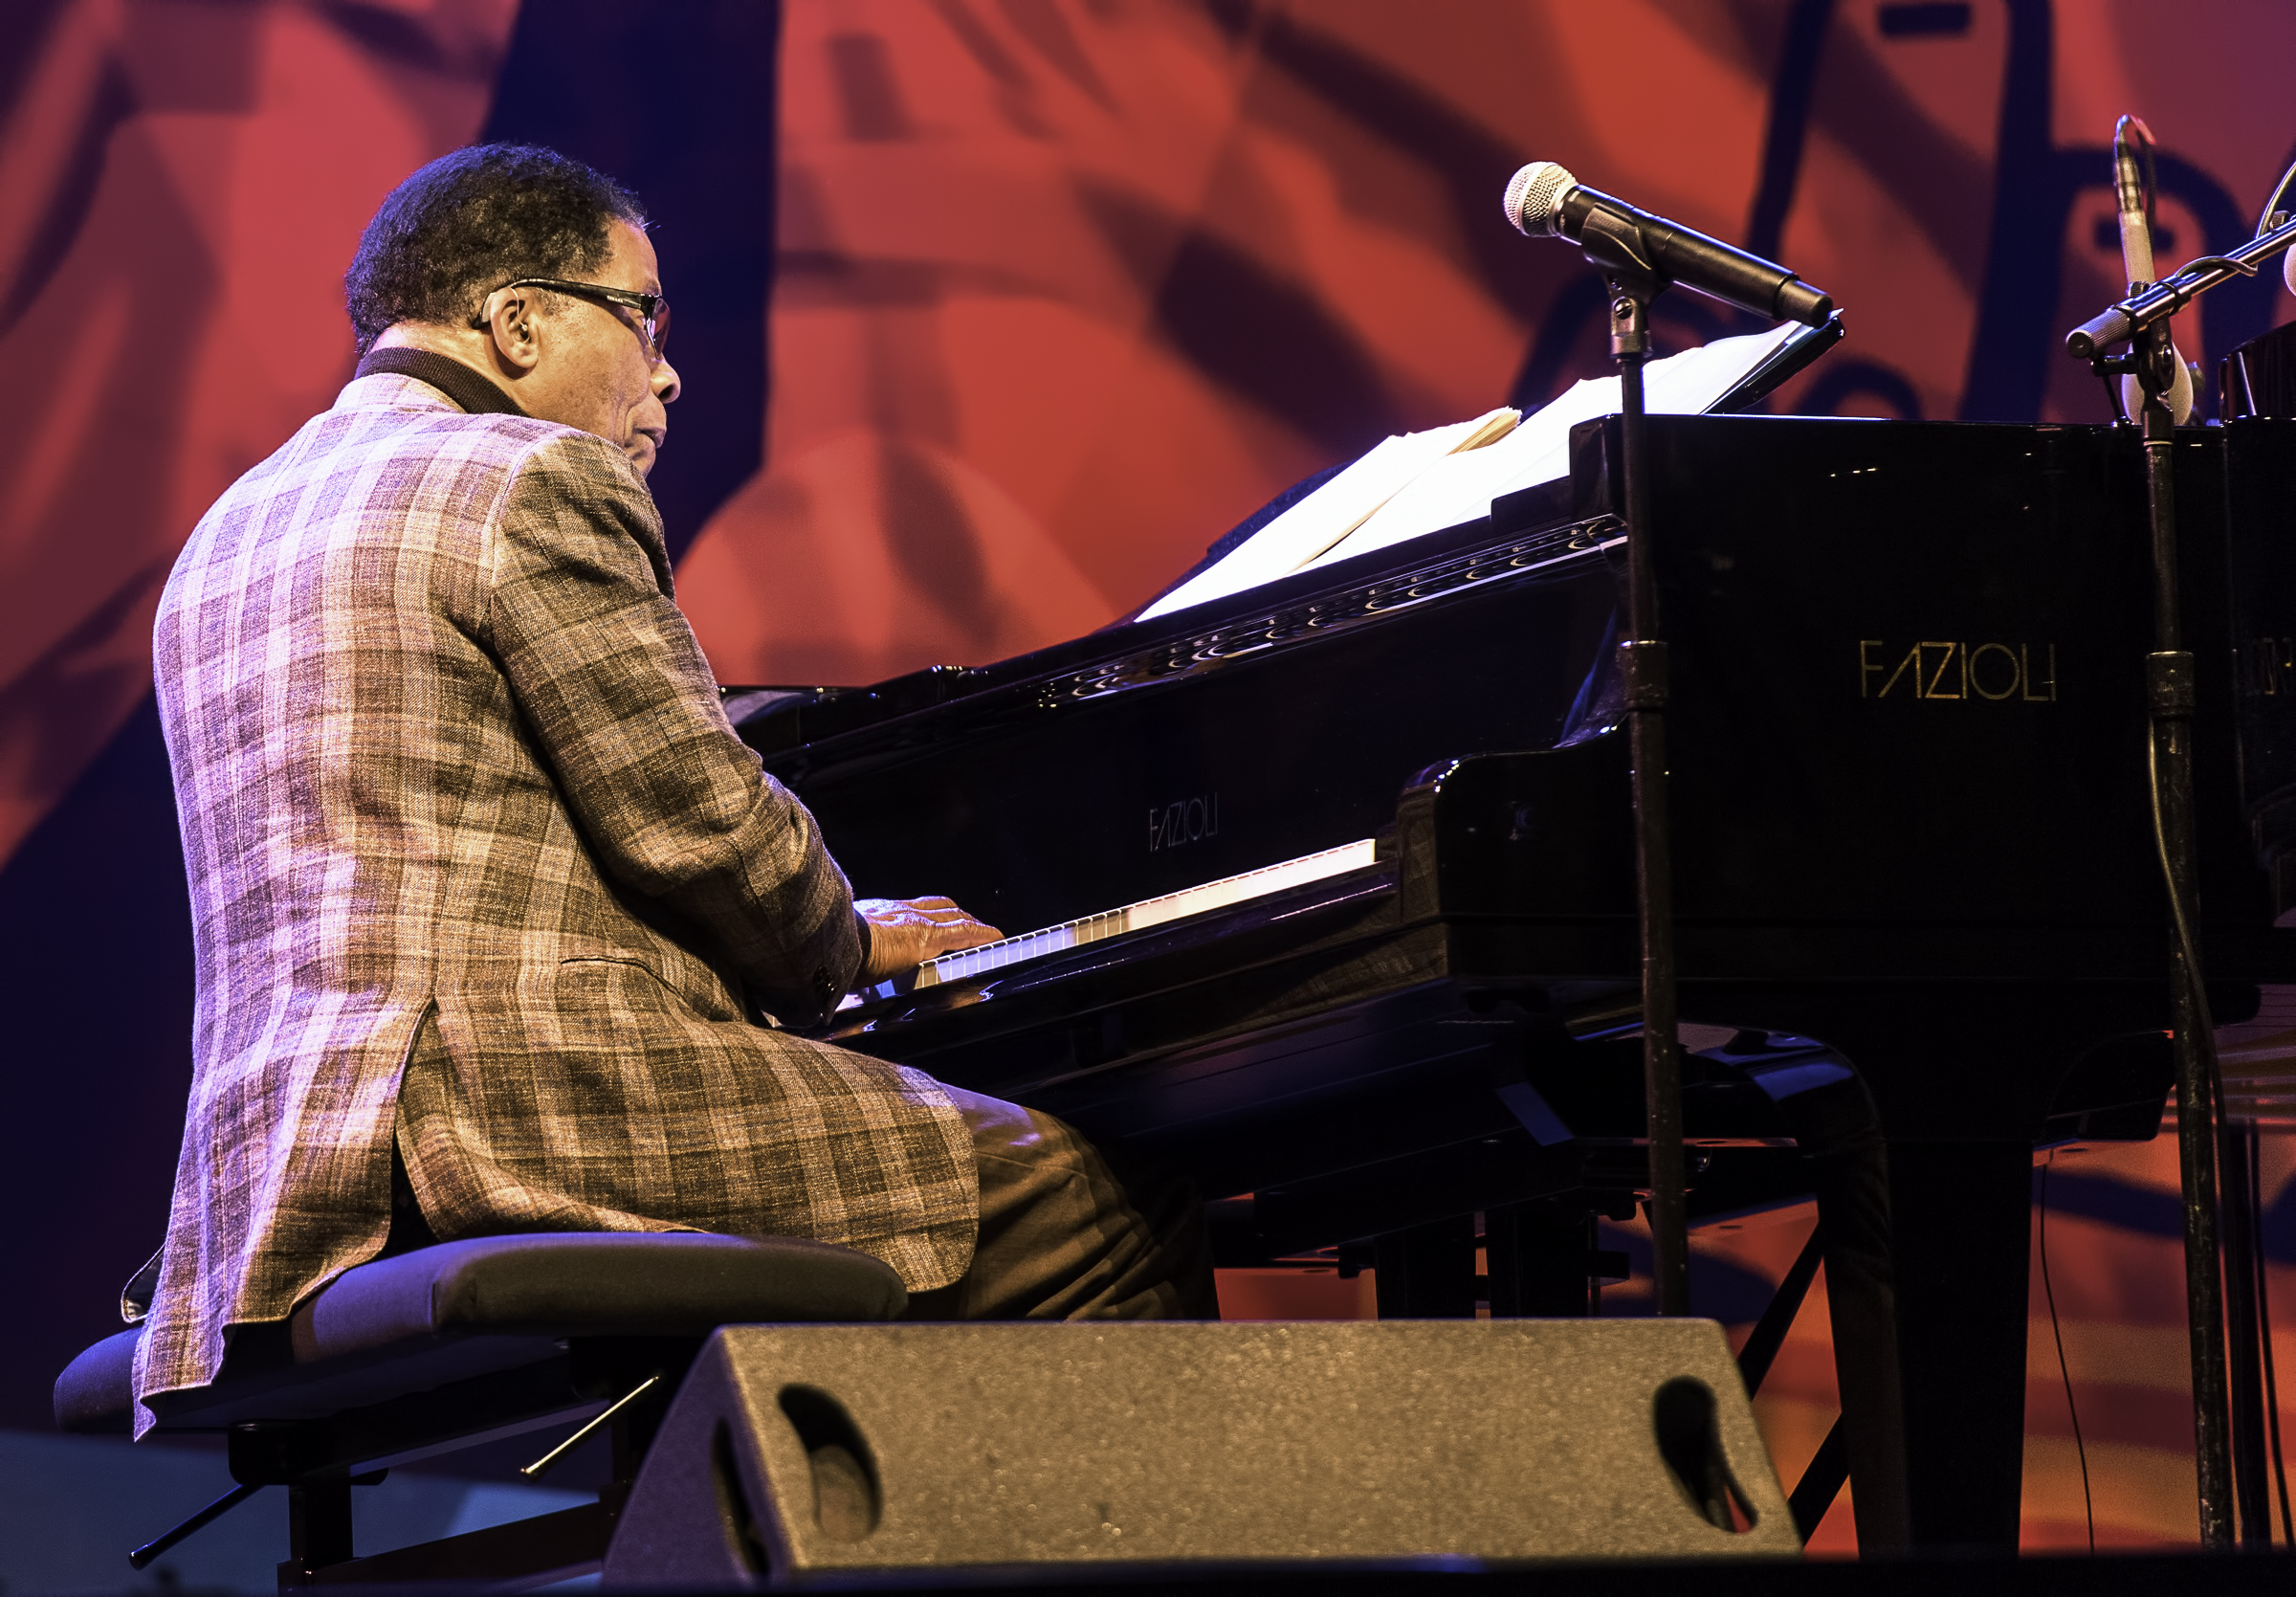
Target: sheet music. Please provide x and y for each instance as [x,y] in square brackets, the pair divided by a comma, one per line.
[1326,517]
[1461,489]
[1428,488]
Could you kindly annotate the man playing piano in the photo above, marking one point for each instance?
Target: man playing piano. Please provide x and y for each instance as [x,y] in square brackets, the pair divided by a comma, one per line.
[497,922]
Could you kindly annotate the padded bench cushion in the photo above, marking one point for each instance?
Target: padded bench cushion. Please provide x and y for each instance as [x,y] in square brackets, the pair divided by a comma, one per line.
[593,1284]
[461,1309]
[97,1389]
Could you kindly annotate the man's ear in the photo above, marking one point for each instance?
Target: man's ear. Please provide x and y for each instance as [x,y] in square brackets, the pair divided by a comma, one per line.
[510,327]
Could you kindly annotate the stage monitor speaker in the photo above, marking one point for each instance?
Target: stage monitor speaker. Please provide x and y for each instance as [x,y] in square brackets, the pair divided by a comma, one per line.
[804,1453]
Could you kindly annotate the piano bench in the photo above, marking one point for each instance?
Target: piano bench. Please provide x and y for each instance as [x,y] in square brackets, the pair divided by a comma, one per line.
[463,1343]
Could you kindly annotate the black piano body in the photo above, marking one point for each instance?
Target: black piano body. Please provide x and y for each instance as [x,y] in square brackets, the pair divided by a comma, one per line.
[1911,822]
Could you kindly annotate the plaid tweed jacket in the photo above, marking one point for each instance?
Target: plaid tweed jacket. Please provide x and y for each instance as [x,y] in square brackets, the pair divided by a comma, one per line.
[449,761]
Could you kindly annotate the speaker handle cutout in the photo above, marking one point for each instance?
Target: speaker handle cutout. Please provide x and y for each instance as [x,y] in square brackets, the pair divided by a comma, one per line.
[846,1499]
[1690,1439]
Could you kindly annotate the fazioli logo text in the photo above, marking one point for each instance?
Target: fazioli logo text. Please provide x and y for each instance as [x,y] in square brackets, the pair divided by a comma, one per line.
[1191,820]
[2025,671]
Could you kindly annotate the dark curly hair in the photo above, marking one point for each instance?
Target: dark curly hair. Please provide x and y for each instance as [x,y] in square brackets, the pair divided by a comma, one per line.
[473,220]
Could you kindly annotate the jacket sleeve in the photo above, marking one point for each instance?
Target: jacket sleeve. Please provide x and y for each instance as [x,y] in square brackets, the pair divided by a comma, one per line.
[607,672]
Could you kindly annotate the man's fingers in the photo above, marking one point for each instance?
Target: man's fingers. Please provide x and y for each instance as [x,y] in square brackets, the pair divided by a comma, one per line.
[967,933]
[909,931]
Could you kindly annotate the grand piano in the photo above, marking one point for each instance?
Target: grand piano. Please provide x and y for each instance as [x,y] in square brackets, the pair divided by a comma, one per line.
[1921,926]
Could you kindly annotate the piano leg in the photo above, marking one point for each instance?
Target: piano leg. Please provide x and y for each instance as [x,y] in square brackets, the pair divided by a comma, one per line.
[1927,1233]
[1960,1224]
[1838,1127]
[1427,1272]
[1925,1255]
[1849,1172]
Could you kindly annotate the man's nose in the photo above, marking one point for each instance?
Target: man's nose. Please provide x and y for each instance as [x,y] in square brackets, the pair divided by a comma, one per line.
[665,381]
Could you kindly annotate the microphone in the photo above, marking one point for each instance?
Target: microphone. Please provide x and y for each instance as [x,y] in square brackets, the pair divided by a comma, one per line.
[2128,193]
[1545,201]
[2132,196]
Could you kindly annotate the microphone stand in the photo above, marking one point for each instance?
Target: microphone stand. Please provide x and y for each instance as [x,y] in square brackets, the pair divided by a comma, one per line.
[2150,303]
[2168,684]
[1633,282]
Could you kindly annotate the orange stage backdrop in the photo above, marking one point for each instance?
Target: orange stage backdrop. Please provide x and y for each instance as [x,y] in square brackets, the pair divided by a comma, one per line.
[181,185]
[1065,291]
[1062,289]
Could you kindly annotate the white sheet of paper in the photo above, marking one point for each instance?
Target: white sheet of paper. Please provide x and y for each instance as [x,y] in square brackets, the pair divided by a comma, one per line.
[1461,489]
[1324,517]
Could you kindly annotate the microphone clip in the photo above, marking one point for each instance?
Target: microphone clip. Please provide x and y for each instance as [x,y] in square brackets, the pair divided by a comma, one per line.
[2151,358]
[1614,246]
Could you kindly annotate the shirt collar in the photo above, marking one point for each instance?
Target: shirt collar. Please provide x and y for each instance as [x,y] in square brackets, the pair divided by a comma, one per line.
[469,389]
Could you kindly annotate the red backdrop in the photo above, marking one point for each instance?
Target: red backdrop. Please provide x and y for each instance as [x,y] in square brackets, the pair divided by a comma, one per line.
[180,188]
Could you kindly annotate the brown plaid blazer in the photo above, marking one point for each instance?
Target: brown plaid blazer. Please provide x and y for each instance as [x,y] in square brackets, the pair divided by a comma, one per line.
[446,751]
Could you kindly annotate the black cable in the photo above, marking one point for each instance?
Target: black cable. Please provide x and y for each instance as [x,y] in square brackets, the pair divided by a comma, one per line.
[2263,220]
[2204,1025]
[2203,263]
[2263,1311]
[2063,1371]
[2151,179]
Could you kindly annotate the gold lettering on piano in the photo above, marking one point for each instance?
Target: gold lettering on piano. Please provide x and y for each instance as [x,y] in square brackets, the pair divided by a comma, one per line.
[1959,670]
[1191,820]
[1947,653]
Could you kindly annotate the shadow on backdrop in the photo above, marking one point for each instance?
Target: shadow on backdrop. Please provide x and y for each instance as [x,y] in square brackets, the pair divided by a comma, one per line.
[676,101]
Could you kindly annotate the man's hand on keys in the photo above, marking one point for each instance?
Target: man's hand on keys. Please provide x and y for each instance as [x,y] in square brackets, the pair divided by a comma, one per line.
[903,933]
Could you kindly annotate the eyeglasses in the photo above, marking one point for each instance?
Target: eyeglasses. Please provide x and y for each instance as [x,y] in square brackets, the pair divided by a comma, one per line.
[653,311]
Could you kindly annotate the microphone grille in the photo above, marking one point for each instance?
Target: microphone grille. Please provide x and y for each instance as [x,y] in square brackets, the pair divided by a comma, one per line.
[1534,197]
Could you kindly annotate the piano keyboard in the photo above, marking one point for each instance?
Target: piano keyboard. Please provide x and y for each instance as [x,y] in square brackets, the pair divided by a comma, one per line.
[967,963]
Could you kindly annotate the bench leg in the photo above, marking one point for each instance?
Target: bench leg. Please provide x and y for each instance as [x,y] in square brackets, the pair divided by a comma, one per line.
[319,1529]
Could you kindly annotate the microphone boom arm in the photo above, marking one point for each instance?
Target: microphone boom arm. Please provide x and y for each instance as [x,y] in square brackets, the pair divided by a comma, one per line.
[2172,294]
